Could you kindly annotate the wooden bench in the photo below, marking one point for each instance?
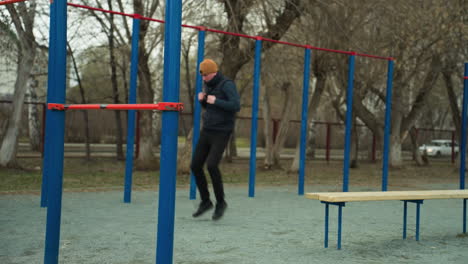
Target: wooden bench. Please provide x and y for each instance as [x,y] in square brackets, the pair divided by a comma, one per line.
[340,198]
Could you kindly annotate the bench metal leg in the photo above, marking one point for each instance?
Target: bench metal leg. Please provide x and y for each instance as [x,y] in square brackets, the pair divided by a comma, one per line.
[418,216]
[464,216]
[326,225]
[405,214]
[340,215]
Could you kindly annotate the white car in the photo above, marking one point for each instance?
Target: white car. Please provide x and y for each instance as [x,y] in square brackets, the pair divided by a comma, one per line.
[439,147]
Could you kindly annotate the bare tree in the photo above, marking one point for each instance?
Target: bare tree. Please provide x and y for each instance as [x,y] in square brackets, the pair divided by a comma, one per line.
[409,31]
[115,88]
[22,15]
[275,147]
[83,101]
[120,35]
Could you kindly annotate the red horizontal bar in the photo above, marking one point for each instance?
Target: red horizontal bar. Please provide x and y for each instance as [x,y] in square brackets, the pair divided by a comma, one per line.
[137,16]
[160,106]
[466,77]
[6,2]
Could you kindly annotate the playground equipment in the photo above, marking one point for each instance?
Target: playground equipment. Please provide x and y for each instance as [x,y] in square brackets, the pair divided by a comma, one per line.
[256,86]
[53,161]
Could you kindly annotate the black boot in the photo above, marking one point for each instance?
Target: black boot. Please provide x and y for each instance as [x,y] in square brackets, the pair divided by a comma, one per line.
[203,208]
[219,210]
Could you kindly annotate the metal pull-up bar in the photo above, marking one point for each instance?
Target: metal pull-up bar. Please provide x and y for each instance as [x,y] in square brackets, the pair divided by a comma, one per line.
[201,28]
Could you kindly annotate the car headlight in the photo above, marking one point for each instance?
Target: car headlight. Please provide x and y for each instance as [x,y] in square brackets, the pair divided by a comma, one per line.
[430,150]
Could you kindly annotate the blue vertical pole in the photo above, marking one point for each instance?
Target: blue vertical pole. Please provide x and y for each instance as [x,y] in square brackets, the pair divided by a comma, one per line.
[50,82]
[55,131]
[349,122]
[464,121]
[170,127]
[132,99]
[253,129]
[388,124]
[197,107]
[305,104]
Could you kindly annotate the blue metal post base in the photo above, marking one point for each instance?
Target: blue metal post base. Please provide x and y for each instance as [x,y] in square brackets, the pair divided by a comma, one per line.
[418,215]
[340,215]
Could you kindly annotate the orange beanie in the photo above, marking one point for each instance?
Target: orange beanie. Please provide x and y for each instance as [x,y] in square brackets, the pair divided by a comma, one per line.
[208,66]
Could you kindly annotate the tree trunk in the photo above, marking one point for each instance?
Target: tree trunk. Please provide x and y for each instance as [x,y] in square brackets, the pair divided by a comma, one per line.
[148,137]
[33,117]
[146,159]
[354,157]
[284,125]
[10,140]
[115,88]
[83,101]
[396,160]
[150,122]
[231,150]
[420,159]
[267,130]
[453,101]
[185,157]
[318,86]
[24,23]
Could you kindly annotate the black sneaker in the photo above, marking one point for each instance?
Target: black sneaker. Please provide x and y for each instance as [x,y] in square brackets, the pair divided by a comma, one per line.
[219,210]
[203,208]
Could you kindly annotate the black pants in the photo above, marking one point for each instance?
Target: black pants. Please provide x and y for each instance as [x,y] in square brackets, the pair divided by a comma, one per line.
[210,148]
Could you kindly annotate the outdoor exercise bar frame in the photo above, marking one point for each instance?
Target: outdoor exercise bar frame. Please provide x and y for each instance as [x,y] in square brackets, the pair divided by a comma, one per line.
[55,126]
[173,9]
[256,87]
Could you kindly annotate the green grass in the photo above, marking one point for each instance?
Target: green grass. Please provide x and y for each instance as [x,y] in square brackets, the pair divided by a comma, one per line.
[107,173]
[240,142]
[243,142]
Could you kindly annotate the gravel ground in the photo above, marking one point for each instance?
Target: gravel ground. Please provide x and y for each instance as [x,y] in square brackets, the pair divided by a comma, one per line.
[277,226]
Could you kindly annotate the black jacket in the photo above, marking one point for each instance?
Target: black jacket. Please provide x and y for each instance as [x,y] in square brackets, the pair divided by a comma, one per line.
[220,116]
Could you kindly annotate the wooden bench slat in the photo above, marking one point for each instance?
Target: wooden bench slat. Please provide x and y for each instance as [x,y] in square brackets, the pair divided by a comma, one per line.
[386,196]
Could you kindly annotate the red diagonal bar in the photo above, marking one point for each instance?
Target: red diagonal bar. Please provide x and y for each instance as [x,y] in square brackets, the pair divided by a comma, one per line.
[6,2]
[373,56]
[284,42]
[100,9]
[230,33]
[233,34]
[164,106]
